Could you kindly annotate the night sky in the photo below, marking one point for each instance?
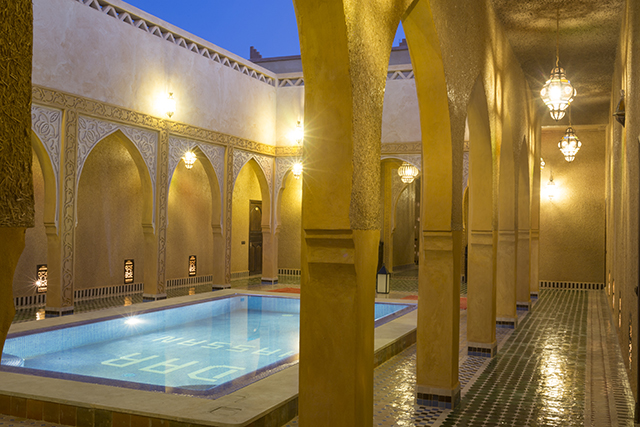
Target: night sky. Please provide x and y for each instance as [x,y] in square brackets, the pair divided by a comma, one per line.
[235,25]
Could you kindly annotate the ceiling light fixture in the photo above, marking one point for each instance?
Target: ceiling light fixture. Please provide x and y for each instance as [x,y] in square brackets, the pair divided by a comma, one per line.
[407,172]
[557,92]
[570,144]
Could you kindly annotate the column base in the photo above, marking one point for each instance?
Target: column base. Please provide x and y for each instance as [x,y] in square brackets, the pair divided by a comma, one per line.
[57,311]
[153,297]
[438,397]
[481,349]
[269,281]
[507,322]
[523,305]
[220,287]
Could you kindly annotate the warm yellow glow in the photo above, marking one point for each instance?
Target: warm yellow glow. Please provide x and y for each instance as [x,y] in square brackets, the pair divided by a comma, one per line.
[189,159]
[296,170]
[542,163]
[569,145]
[551,189]
[297,134]
[407,172]
[40,314]
[170,106]
[557,93]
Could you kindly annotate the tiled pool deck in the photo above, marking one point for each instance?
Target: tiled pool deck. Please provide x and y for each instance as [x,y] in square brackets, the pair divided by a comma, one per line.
[560,367]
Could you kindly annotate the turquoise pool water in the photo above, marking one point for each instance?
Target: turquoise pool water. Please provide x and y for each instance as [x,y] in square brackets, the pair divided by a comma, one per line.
[199,348]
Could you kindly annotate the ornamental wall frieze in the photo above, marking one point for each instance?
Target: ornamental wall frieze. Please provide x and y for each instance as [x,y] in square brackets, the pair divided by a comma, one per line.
[46,123]
[402,147]
[240,158]
[88,107]
[293,150]
[214,153]
[414,159]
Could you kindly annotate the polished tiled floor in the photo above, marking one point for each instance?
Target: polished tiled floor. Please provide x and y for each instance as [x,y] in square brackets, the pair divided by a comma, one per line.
[560,367]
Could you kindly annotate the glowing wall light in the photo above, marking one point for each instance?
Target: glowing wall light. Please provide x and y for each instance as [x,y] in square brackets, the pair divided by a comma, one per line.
[407,172]
[297,134]
[128,271]
[41,274]
[189,159]
[551,187]
[542,163]
[296,170]
[193,267]
[170,105]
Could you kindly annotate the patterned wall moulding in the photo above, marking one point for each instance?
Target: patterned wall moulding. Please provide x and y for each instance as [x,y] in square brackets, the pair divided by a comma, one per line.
[215,154]
[148,26]
[402,148]
[414,159]
[46,123]
[240,158]
[298,81]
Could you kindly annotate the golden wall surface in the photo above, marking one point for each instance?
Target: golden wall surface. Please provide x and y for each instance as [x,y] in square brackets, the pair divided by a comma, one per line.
[109,229]
[246,188]
[404,234]
[622,176]
[572,224]
[189,230]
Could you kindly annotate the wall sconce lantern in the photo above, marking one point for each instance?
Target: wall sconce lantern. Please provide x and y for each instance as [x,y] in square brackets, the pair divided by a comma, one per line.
[542,163]
[382,284]
[407,172]
[192,265]
[170,105]
[128,271]
[557,93]
[297,134]
[296,170]
[41,283]
[620,109]
[551,187]
[570,145]
[189,159]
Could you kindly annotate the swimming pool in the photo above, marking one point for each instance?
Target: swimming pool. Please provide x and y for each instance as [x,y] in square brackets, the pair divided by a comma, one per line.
[203,348]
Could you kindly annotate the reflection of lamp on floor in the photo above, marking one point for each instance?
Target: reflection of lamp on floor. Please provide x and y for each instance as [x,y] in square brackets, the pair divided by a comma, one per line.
[382,285]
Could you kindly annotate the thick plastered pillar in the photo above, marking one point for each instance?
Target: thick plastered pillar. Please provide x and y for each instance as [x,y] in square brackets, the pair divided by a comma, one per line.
[481,283]
[505,278]
[388,214]
[523,293]
[269,256]
[16,185]
[441,237]
[345,49]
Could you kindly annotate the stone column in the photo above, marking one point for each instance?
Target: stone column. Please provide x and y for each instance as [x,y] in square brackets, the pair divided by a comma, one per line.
[481,294]
[506,314]
[439,319]
[270,255]
[155,240]
[61,246]
[523,293]
[388,214]
[534,256]
[228,214]
[218,281]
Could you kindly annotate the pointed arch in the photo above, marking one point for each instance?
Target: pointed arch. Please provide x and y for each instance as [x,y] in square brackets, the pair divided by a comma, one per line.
[50,183]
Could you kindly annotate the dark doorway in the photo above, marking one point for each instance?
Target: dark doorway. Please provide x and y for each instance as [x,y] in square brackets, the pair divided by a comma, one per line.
[255,237]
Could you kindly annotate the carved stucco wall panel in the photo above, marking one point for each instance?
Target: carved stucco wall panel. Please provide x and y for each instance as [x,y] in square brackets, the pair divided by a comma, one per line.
[214,153]
[240,158]
[46,123]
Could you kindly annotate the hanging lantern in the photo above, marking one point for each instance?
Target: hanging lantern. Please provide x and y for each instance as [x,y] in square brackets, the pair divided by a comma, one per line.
[189,159]
[407,172]
[551,187]
[542,163]
[557,93]
[296,170]
[570,145]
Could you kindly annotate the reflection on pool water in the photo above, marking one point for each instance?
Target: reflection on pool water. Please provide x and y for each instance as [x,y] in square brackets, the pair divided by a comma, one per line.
[204,348]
